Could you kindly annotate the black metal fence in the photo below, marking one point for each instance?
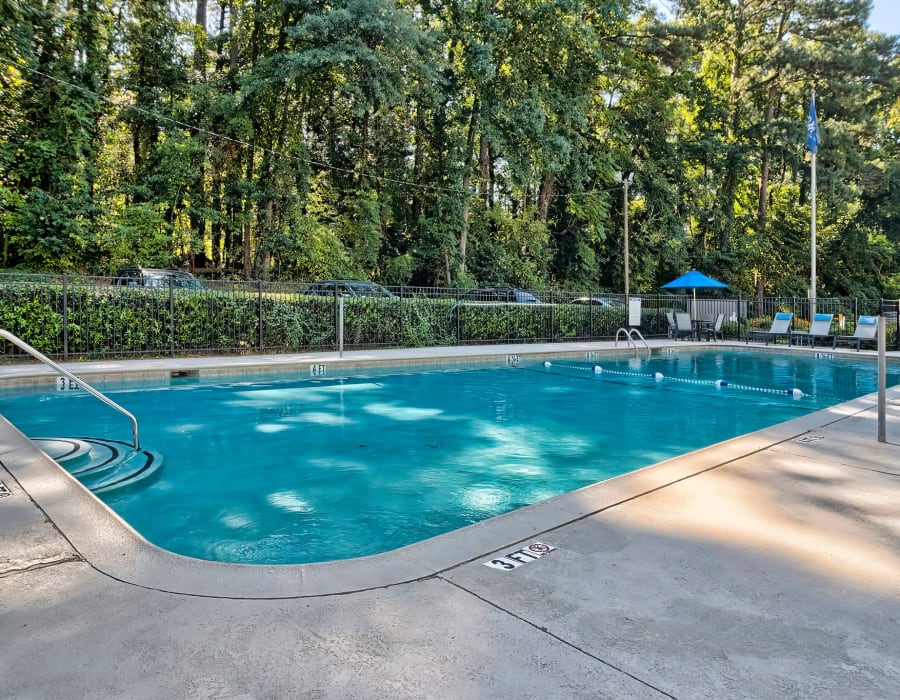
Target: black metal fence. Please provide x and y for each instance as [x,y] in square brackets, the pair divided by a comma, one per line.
[75,317]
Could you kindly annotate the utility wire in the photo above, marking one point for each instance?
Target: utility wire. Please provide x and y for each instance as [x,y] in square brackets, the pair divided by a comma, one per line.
[247,144]
[280,154]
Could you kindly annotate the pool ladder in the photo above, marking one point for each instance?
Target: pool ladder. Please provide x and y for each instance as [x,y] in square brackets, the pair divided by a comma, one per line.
[18,342]
[630,334]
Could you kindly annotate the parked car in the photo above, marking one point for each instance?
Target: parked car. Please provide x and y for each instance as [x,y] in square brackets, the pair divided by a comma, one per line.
[600,301]
[347,288]
[155,277]
[495,295]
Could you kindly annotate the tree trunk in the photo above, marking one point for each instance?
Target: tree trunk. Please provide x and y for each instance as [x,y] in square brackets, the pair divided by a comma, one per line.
[765,166]
[735,97]
[766,161]
[548,189]
[200,46]
[198,223]
[233,48]
[248,220]
[484,162]
[467,183]
[218,244]
[418,147]
[363,148]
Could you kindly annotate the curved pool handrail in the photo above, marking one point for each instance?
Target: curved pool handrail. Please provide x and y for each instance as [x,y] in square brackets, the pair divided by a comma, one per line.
[37,354]
[629,334]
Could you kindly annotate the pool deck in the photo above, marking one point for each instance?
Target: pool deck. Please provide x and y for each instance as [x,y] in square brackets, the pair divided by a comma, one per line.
[767,566]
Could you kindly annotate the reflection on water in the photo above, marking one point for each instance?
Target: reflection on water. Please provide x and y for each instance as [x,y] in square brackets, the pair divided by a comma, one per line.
[301,470]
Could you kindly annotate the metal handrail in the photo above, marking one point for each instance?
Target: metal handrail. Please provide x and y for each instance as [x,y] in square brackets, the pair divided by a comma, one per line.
[15,340]
[636,332]
[624,331]
[628,333]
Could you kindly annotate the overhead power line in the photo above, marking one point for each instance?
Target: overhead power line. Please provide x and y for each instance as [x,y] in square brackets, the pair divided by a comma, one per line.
[280,154]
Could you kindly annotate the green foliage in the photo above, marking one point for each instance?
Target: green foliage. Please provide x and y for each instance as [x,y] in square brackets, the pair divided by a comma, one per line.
[49,84]
[32,313]
[139,234]
[90,320]
[509,250]
[360,229]
[452,142]
[399,269]
[533,322]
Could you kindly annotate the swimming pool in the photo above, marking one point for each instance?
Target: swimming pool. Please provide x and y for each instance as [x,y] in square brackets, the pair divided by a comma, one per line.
[303,469]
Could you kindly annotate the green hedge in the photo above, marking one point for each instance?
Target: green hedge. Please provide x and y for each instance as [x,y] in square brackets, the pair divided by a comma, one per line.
[83,320]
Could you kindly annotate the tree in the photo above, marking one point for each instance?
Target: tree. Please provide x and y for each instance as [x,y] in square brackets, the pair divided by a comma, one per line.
[60,64]
[756,67]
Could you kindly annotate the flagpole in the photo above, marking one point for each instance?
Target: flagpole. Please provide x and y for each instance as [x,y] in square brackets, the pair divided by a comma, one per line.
[812,244]
[812,141]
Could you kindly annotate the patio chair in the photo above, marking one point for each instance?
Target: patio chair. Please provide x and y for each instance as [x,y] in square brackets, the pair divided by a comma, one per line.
[820,328]
[683,325]
[781,326]
[714,329]
[670,317]
[866,328]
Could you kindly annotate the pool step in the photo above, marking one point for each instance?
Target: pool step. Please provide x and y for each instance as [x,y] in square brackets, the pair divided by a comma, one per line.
[101,465]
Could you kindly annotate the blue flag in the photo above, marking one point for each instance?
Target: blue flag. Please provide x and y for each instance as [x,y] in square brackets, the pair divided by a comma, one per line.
[812,126]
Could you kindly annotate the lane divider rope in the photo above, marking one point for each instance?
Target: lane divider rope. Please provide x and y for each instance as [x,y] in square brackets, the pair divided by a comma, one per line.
[659,376]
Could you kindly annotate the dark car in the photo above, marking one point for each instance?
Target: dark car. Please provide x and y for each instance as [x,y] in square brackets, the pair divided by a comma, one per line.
[501,295]
[600,301]
[155,277]
[347,288]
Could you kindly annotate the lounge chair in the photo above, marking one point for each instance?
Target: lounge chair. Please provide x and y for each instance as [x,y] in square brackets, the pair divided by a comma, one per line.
[670,317]
[683,325]
[781,326]
[820,328]
[866,328]
[712,330]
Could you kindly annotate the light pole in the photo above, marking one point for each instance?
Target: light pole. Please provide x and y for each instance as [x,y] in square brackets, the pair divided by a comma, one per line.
[626,179]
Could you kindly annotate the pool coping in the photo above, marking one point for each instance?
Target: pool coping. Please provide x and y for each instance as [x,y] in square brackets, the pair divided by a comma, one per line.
[111,546]
[34,375]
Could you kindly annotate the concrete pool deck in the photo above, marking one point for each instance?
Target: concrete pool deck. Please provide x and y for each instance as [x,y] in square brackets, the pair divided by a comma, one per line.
[764,567]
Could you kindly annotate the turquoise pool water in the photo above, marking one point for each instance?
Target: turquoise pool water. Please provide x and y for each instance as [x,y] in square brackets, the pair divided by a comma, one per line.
[301,469]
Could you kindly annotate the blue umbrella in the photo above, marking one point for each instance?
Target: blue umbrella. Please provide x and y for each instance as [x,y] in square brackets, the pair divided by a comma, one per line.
[694,280]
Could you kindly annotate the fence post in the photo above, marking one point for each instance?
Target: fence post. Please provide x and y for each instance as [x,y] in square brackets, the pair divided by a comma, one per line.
[341,326]
[658,317]
[171,319]
[402,340]
[882,379]
[65,316]
[591,314]
[508,307]
[334,315]
[458,330]
[259,313]
[552,321]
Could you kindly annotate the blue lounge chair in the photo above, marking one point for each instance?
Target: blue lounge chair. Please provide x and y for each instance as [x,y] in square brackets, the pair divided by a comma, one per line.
[781,326]
[820,328]
[866,329]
